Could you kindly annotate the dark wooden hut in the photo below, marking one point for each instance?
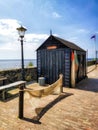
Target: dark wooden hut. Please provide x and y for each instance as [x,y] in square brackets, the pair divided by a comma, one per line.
[54,57]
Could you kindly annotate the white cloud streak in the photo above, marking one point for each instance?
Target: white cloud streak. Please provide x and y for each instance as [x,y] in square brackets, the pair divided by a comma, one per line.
[56,15]
[9,44]
[82,30]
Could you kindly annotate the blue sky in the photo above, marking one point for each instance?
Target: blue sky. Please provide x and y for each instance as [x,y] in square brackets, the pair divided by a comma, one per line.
[73,20]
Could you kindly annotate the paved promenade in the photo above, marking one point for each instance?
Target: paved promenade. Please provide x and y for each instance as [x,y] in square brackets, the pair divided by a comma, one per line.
[75,109]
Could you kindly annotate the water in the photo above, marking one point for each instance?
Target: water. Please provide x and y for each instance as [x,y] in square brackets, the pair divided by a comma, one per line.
[10,64]
[90,59]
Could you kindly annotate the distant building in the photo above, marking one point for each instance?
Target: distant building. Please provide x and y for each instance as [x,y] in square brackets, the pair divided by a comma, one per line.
[56,56]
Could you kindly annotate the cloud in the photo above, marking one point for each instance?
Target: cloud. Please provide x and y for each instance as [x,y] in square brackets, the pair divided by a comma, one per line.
[56,15]
[35,37]
[8,26]
[73,39]
[82,30]
[10,45]
[8,33]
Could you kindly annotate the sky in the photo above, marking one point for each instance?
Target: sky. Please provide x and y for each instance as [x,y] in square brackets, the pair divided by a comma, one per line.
[72,20]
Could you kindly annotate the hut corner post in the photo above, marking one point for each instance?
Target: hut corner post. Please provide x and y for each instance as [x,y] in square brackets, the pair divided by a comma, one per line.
[21,101]
[73,83]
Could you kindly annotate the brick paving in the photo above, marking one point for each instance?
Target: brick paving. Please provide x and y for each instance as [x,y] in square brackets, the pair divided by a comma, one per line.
[75,109]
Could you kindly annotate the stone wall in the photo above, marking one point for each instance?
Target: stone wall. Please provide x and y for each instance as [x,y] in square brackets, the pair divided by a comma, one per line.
[30,74]
[89,63]
[15,74]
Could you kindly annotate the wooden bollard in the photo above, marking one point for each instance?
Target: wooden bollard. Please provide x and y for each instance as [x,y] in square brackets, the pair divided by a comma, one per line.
[21,101]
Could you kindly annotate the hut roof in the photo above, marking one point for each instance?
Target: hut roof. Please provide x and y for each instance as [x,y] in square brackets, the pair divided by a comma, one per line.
[64,42]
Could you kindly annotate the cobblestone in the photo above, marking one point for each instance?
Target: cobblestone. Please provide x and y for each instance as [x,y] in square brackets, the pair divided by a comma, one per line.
[78,110]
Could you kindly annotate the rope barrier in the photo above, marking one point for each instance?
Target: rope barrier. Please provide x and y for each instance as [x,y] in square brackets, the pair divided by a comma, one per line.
[55,88]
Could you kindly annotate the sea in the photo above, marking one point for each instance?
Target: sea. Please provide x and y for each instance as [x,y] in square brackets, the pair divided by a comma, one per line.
[15,63]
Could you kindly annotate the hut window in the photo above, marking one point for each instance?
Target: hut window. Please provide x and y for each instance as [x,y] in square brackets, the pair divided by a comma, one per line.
[51,47]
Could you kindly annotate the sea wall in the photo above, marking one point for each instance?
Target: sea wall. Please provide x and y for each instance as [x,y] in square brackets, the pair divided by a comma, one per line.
[89,63]
[30,73]
[15,74]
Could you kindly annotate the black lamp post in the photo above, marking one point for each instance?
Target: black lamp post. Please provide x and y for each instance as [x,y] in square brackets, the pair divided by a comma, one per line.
[21,32]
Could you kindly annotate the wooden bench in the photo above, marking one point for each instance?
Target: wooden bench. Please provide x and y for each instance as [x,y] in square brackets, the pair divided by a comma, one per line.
[3,79]
[5,88]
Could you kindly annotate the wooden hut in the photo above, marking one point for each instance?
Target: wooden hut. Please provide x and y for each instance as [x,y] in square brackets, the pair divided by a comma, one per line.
[56,56]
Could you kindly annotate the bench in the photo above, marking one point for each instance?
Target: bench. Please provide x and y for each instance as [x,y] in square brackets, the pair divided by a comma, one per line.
[3,79]
[5,88]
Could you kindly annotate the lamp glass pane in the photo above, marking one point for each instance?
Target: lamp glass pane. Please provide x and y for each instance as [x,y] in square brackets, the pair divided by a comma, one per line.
[21,33]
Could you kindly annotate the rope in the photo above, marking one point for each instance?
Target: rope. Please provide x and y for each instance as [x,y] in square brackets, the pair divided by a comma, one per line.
[51,89]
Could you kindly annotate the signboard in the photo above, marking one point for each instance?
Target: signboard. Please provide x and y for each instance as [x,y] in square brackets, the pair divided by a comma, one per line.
[51,47]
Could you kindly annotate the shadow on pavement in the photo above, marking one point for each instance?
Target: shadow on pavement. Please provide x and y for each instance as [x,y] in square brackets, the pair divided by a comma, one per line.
[89,84]
[41,111]
[9,97]
[92,70]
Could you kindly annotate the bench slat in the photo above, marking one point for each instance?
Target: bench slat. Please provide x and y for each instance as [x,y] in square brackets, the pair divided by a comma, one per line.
[12,85]
[5,87]
[3,78]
